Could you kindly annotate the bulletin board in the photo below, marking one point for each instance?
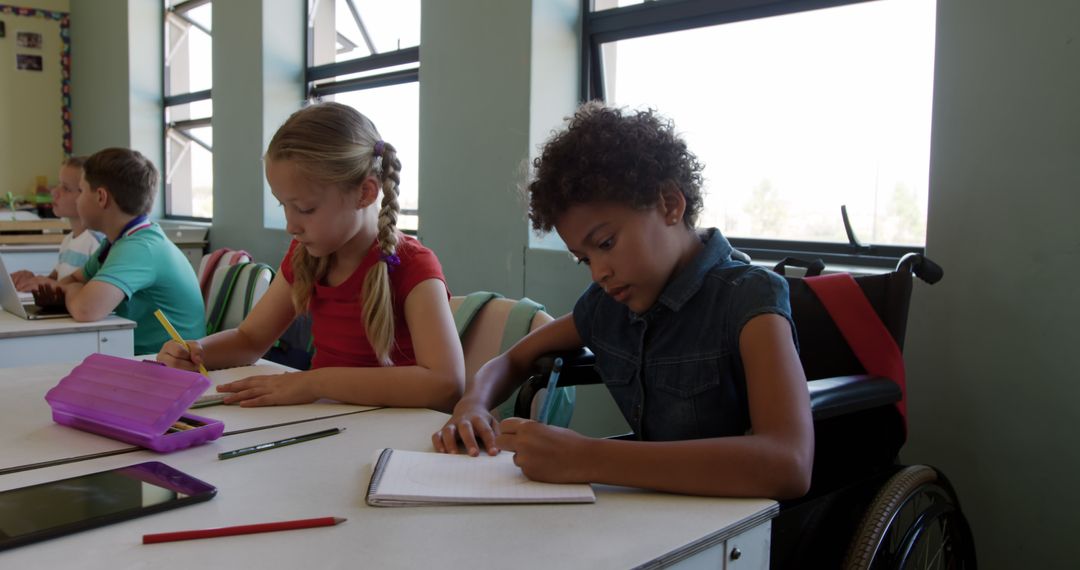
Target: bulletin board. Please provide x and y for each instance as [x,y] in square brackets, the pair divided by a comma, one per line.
[35,98]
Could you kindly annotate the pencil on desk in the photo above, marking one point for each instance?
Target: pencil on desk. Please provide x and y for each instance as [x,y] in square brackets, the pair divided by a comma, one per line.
[241,529]
[279,443]
[176,335]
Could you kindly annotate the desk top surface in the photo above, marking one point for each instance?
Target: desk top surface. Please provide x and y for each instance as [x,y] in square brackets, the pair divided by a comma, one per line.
[625,528]
[29,248]
[30,437]
[12,326]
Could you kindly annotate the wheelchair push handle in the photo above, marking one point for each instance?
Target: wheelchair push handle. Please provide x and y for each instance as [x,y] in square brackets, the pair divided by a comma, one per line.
[813,267]
[921,266]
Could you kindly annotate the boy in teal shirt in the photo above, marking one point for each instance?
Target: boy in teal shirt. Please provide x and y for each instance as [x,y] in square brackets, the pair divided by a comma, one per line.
[137,270]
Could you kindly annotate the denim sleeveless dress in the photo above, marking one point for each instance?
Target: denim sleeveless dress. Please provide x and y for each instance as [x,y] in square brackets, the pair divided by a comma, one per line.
[675,371]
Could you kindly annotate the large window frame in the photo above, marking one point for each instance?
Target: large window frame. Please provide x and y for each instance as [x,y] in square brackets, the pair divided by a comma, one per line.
[660,17]
[180,131]
[390,61]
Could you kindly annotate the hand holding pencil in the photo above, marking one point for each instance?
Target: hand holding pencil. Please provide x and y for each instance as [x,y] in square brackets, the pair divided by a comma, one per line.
[172,357]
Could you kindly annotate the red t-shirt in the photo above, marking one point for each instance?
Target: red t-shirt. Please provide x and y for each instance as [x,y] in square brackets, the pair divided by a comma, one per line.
[337,321]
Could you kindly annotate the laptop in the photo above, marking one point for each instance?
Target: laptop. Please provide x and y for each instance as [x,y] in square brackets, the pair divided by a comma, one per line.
[22,304]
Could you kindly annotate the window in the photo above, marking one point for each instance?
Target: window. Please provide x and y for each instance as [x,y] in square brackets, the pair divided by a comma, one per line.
[189,137]
[795,108]
[366,54]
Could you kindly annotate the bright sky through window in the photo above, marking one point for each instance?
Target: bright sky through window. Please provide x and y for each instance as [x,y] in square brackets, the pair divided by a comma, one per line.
[795,115]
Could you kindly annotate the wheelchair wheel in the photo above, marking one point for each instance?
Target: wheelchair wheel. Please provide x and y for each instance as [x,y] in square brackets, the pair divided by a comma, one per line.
[913,522]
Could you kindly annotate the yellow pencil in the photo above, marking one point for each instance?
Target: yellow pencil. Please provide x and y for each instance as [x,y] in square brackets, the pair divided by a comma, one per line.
[175,335]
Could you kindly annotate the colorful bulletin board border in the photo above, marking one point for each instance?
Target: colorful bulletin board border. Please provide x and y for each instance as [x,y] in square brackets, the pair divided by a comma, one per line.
[65,60]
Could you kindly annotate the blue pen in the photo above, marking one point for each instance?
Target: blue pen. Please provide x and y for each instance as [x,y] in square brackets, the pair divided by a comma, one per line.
[549,398]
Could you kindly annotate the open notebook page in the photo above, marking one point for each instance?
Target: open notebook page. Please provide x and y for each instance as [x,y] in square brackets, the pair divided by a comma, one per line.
[412,478]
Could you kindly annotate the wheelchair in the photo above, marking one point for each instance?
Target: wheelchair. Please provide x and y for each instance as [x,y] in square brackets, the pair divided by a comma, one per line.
[864,510]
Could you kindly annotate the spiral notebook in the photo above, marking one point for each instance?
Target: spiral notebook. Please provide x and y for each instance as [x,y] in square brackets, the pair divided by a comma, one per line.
[414,478]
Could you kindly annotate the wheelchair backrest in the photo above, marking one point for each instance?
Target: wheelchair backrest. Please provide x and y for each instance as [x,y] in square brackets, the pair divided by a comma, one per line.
[822,349]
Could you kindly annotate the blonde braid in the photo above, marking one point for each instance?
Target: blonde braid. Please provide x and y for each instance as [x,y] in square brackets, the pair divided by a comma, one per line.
[307,271]
[377,300]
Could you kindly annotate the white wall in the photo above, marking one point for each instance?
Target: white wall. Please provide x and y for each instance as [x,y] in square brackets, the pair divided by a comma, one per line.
[992,349]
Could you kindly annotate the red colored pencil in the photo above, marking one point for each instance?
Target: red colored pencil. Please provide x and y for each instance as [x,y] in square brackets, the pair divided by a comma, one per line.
[241,529]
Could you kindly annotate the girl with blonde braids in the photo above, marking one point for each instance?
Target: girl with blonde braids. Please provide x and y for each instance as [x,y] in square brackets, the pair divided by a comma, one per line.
[384,334]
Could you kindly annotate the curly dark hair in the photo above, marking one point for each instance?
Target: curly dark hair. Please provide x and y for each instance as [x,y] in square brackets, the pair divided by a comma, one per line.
[610,154]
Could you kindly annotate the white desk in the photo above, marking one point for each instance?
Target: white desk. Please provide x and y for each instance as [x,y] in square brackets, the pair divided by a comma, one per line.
[626,528]
[25,343]
[30,437]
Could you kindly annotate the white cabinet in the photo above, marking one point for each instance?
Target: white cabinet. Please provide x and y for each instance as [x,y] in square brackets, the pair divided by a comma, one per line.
[117,342]
[49,341]
[748,550]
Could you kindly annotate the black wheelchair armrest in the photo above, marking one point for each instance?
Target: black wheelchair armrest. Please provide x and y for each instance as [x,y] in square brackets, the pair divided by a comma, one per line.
[831,397]
[577,369]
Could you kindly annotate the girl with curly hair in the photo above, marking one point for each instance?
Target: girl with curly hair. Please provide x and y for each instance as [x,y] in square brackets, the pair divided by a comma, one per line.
[695,345]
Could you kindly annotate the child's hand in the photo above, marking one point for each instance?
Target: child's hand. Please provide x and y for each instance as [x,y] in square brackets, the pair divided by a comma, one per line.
[545,453]
[24,280]
[34,282]
[175,355]
[469,423]
[272,390]
[49,294]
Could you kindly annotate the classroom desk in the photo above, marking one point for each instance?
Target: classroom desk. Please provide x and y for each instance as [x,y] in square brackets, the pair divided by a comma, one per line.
[625,528]
[25,343]
[30,438]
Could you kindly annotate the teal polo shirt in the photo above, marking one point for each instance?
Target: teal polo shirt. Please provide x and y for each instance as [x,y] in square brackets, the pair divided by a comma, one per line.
[153,274]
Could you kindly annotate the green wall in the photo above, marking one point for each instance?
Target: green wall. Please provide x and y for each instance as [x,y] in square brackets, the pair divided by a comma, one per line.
[485,107]
[992,348]
[258,82]
[116,53]
[101,112]
[474,139]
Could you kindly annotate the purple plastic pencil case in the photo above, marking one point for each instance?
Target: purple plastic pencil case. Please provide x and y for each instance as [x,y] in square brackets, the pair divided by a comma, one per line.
[133,401]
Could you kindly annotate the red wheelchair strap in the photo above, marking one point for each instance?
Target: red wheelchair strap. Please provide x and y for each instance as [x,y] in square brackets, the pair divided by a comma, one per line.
[862,329]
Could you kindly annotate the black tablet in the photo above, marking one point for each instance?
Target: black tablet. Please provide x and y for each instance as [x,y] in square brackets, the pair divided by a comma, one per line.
[56,508]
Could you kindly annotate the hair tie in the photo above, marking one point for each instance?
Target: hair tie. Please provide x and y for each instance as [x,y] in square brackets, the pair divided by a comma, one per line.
[379,148]
[391,260]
